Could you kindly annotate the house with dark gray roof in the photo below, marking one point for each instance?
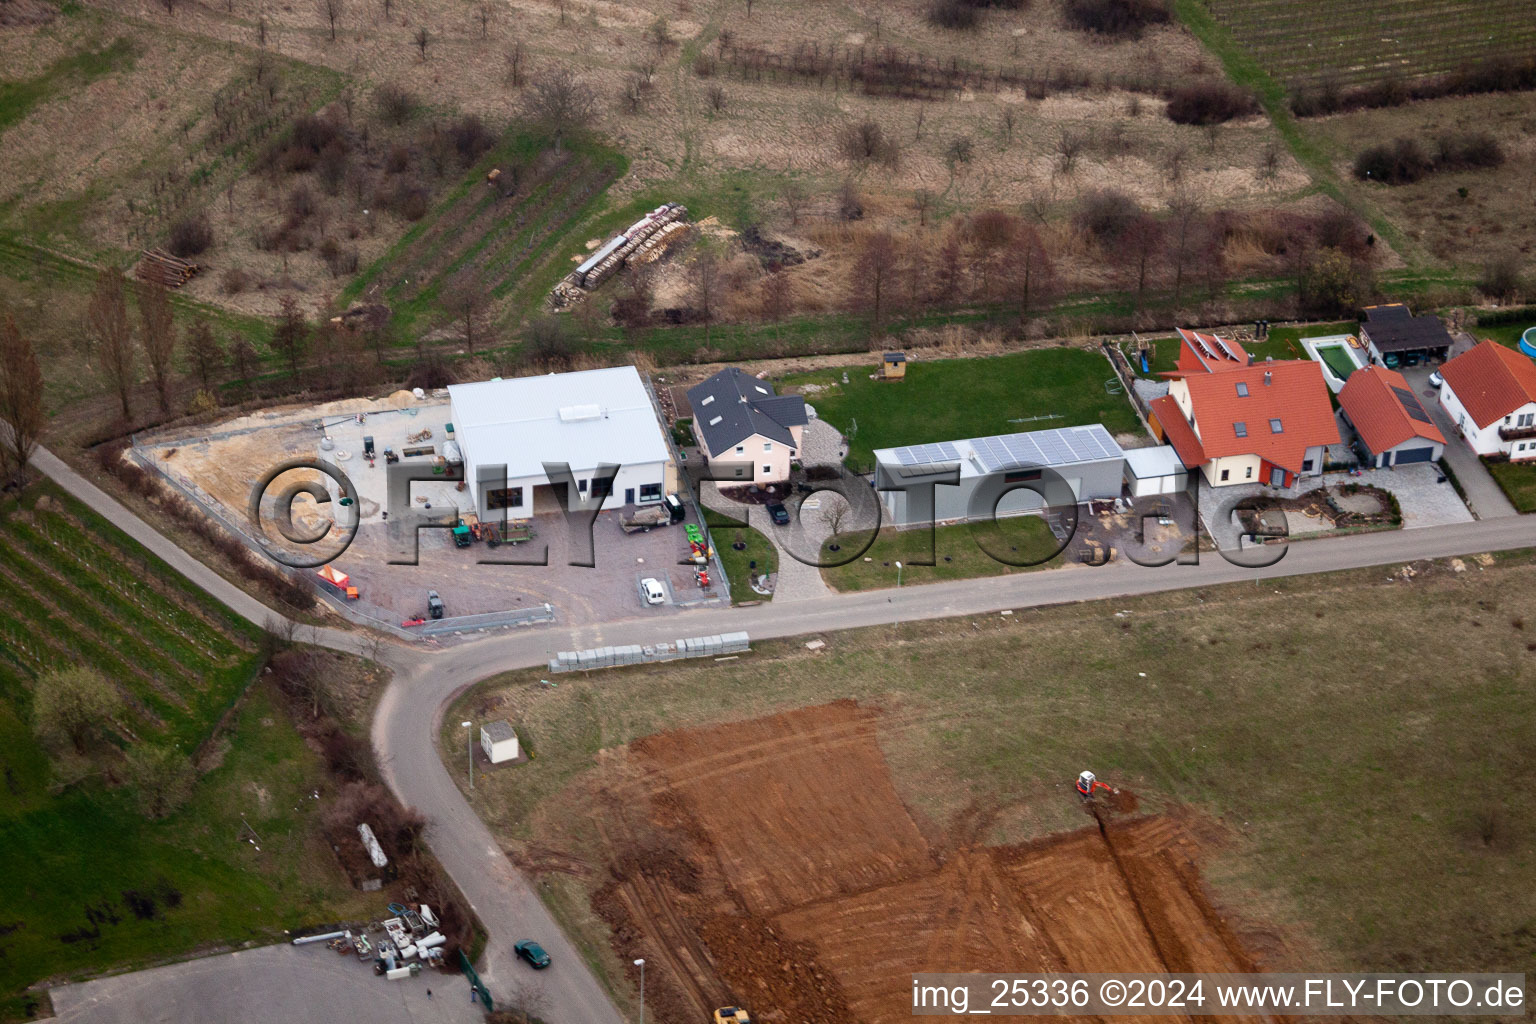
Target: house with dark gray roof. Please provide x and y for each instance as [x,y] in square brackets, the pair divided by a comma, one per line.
[745,428]
[1396,338]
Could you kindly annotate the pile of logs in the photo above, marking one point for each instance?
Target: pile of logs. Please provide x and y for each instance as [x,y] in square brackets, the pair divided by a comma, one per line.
[164,269]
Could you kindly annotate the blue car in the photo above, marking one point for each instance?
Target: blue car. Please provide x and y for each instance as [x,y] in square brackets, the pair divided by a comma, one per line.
[533,953]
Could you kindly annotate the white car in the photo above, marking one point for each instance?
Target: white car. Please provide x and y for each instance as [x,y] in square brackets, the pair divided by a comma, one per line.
[654,592]
[1435,380]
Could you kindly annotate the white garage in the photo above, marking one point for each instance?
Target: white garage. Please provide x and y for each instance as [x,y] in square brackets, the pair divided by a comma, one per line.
[1157,470]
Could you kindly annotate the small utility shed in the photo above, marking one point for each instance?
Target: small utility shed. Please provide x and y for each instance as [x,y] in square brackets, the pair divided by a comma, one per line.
[1395,337]
[1154,471]
[994,474]
[510,429]
[499,741]
[1392,424]
[893,365]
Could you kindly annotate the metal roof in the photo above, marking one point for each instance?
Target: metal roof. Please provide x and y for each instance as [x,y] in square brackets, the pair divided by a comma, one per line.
[1059,446]
[1148,463]
[584,419]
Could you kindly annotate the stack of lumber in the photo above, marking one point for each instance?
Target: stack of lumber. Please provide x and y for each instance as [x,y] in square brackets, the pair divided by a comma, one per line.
[164,269]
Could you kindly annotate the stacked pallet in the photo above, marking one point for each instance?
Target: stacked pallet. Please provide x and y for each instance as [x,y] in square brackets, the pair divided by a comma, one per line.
[164,269]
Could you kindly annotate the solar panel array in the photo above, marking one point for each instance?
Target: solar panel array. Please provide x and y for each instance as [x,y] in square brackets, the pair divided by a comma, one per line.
[1057,447]
[1411,404]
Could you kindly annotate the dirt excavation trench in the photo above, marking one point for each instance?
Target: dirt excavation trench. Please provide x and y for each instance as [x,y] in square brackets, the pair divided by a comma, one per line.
[772,863]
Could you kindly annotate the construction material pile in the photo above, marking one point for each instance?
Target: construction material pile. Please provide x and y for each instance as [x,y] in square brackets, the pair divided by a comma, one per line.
[164,269]
[641,242]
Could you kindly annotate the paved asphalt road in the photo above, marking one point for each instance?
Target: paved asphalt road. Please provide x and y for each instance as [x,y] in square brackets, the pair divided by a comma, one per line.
[406,723]
[288,984]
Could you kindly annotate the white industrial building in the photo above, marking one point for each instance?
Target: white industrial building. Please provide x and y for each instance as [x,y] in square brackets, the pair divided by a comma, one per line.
[508,430]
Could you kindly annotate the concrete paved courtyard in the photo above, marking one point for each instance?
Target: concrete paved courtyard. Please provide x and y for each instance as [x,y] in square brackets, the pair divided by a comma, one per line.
[292,984]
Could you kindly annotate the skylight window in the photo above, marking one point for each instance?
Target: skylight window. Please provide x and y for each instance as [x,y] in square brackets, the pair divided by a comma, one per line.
[1242,389]
[1275,427]
[761,390]
[707,400]
[717,419]
[1240,428]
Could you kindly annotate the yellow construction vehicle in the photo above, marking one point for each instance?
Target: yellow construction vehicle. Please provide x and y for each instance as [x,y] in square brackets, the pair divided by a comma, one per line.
[731,1015]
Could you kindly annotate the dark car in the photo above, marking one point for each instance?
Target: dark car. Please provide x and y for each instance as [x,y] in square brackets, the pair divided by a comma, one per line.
[778,513]
[532,952]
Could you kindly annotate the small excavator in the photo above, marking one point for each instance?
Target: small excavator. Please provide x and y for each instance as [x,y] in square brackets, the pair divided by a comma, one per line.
[1087,785]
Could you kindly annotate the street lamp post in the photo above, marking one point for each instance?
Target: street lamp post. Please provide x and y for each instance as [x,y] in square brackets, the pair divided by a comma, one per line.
[470,749]
[640,963]
[898,575]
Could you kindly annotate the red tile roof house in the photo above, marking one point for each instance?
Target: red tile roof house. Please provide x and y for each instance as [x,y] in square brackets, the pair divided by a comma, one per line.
[1490,394]
[1242,421]
[1392,424]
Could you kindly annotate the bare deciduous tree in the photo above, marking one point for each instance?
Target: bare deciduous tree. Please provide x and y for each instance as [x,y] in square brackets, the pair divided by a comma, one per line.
[873,274]
[422,38]
[1010,121]
[517,60]
[107,317]
[331,10]
[1185,209]
[705,284]
[715,96]
[775,295]
[242,358]
[793,196]
[559,102]
[1068,148]
[483,16]
[21,399]
[469,301]
[922,202]
[290,337]
[206,352]
[158,336]
[1029,267]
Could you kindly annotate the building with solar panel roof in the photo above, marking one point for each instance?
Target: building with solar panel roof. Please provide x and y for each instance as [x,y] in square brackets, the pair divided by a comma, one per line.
[1004,475]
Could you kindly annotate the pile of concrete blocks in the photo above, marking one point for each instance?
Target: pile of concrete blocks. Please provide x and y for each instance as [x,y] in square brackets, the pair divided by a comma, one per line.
[713,646]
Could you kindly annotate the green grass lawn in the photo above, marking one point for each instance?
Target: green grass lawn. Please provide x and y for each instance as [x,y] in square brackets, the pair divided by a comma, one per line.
[76,590]
[1504,334]
[957,553]
[1283,342]
[725,532]
[1335,799]
[949,399]
[1165,356]
[1518,480]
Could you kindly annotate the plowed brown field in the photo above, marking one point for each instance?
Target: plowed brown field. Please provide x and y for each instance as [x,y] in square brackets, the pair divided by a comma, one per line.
[772,863]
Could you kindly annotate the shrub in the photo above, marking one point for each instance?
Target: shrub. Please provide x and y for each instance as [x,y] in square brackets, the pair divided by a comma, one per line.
[1107,215]
[952,14]
[190,236]
[1116,18]
[1397,163]
[471,138]
[1501,281]
[866,142]
[1467,151]
[1209,102]
[395,104]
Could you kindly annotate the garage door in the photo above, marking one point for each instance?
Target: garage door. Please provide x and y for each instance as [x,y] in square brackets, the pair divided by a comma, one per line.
[1415,455]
